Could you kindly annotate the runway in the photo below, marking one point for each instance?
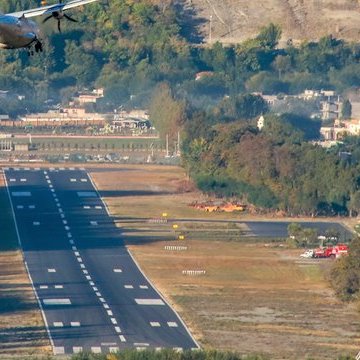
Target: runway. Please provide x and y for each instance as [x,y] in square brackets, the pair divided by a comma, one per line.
[92,294]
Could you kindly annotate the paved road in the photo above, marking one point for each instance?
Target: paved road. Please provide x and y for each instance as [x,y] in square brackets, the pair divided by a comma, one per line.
[92,294]
[277,229]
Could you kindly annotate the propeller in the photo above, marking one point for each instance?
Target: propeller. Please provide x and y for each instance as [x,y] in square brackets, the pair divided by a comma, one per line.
[59,15]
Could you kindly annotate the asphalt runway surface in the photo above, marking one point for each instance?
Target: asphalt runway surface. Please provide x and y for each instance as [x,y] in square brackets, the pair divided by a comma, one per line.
[92,294]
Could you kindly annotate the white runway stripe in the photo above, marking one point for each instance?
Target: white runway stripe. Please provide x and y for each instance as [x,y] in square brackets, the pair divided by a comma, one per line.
[58,350]
[54,302]
[155,324]
[149,302]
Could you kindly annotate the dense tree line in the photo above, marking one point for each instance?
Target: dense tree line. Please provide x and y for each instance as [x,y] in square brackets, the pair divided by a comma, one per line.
[273,168]
[131,46]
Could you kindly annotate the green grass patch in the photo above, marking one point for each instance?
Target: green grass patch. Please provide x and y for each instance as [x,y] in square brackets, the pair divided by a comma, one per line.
[8,236]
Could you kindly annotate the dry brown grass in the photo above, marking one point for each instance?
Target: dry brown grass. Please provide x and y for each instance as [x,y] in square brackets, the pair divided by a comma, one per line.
[22,330]
[253,298]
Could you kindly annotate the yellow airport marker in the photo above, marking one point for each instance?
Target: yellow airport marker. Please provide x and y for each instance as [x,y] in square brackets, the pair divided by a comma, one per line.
[175,226]
[181,237]
[164,214]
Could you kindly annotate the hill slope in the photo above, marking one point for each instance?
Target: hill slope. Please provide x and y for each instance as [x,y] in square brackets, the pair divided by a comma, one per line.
[235,20]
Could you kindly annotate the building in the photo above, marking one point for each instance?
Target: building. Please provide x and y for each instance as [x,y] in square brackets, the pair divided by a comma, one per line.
[66,116]
[340,129]
[88,97]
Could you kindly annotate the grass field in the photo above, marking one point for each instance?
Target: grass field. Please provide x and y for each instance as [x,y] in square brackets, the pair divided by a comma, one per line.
[253,298]
[22,331]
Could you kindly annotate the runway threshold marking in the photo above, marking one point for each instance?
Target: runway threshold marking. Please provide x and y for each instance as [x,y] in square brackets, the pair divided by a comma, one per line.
[54,302]
[77,349]
[20,193]
[149,301]
[58,350]
[86,194]
[172,324]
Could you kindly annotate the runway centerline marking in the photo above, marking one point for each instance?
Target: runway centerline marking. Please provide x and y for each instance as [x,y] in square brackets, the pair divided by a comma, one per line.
[117,329]
[52,270]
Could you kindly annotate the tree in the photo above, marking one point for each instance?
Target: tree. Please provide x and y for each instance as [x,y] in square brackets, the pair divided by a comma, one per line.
[354,203]
[269,36]
[345,274]
[346,109]
[282,64]
[246,106]
[166,113]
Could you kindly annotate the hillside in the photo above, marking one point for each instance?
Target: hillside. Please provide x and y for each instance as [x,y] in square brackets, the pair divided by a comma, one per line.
[235,20]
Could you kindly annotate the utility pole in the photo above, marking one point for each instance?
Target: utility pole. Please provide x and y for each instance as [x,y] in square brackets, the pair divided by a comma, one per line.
[178,144]
[167,146]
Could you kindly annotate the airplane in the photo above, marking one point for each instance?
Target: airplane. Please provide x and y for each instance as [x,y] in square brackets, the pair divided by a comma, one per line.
[16,31]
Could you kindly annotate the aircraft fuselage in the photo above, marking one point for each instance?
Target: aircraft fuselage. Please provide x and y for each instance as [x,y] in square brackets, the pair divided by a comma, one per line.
[17,32]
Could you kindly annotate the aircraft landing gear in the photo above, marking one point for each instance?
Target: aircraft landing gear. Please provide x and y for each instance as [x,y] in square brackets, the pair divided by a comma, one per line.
[38,48]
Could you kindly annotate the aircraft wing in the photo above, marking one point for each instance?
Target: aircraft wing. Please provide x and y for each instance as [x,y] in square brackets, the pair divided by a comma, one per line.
[48,9]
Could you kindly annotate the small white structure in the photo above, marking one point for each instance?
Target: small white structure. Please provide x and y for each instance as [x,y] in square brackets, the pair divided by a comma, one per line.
[260,122]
